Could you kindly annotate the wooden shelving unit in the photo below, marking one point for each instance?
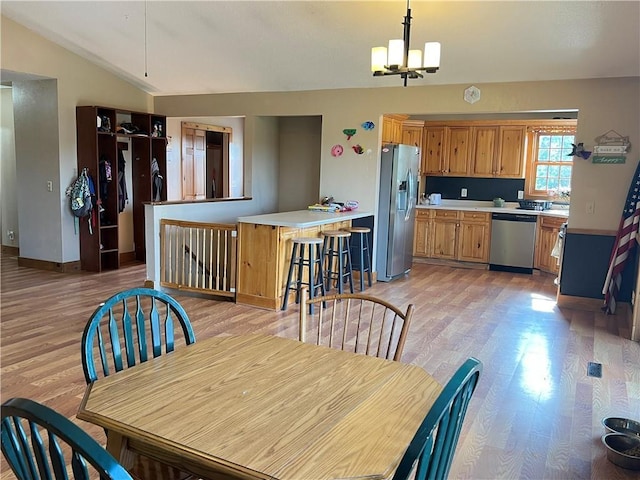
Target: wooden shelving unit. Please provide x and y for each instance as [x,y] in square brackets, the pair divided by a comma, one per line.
[99,246]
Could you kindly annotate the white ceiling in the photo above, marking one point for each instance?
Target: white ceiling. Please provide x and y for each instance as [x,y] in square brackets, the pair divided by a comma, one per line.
[241,46]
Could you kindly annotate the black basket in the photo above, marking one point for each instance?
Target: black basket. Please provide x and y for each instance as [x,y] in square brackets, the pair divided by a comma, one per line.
[535,204]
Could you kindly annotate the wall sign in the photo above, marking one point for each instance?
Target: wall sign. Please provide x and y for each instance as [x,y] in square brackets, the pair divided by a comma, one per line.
[611,148]
[608,159]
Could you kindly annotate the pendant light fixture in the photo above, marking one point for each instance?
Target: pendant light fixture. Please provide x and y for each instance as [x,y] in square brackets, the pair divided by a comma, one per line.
[399,59]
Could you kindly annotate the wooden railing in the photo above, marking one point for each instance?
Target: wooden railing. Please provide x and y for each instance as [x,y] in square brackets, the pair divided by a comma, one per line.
[198,257]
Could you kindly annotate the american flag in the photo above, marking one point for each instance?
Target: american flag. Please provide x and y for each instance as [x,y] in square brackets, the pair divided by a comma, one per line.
[626,240]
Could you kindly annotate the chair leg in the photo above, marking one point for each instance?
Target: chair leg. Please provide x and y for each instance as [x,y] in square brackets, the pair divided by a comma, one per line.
[340,265]
[348,266]
[299,279]
[366,241]
[289,275]
[312,278]
[361,260]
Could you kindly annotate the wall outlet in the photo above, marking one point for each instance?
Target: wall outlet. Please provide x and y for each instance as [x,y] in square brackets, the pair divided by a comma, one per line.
[49,186]
[463,192]
[11,235]
[591,207]
[520,194]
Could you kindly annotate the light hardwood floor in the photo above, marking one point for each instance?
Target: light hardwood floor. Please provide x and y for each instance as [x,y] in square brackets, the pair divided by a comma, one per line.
[536,413]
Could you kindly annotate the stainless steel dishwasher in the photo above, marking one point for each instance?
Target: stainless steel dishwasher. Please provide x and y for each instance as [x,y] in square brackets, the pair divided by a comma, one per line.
[513,239]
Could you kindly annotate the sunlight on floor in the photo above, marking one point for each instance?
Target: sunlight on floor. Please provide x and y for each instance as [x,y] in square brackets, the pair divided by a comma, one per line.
[536,378]
[540,303]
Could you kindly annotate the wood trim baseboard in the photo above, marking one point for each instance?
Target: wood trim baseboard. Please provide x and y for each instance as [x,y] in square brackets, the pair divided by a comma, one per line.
[579,303]
[622,317]
[67,267]
[11,250]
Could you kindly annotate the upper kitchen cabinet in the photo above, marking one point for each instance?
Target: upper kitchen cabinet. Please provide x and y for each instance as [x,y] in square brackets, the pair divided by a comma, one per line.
[511,148]
[392,128]
[446,150]
[412,133]
[433,150]
[458,152]
[498,151]
[484,151]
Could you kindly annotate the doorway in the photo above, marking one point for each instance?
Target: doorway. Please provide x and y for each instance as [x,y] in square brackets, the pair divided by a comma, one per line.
[205,161]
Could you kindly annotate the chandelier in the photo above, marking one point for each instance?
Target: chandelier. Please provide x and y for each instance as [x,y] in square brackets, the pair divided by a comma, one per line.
[399,59]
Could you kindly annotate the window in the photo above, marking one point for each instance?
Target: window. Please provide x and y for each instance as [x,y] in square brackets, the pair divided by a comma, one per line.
[550,162]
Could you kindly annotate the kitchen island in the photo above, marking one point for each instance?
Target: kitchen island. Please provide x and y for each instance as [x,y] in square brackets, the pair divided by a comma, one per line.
[264,250]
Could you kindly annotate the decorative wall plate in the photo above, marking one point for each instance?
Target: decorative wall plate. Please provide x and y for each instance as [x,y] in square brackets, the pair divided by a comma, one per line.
[472,94]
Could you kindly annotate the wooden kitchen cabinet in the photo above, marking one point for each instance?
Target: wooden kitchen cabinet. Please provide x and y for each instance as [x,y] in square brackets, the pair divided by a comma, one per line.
[546,236]
[392,128]
[498,151]
[433,143]
[453,235]
[474,236]
[484,151]
[412,133]
[446,151]
[457,152]
[511,148]
[445,234]
[422,243]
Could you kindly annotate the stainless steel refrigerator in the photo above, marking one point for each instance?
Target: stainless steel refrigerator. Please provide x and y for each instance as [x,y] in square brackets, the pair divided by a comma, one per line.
[396,210]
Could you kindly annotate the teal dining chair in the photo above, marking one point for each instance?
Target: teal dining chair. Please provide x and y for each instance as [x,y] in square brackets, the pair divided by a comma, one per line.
[434,443]
[130,328]
[39,443]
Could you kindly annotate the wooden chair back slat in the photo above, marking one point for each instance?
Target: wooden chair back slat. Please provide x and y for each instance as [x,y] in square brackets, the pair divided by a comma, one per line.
[26,424]
[355,322]
[140,324]
[433,446]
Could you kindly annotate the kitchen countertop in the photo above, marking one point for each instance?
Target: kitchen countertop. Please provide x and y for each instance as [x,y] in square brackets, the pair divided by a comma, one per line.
[509,207]
[302,218]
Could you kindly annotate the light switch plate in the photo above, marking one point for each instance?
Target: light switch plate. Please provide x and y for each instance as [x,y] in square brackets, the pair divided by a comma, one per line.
[463,192]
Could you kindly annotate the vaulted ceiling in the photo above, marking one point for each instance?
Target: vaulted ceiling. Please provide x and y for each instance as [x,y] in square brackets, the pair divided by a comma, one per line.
[241,46]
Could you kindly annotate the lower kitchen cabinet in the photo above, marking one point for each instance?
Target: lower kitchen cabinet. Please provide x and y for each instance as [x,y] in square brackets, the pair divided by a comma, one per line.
[474,236]
[445,234]
[453,235]
[546,237]
[422,243]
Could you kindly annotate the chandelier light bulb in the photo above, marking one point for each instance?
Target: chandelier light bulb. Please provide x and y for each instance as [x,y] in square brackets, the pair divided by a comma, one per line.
[378,58]
[415,59]
[432,55]
[396,52]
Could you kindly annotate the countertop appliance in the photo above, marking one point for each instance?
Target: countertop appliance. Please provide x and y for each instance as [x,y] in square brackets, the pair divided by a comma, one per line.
[435,199]
[513,238]
[396,210]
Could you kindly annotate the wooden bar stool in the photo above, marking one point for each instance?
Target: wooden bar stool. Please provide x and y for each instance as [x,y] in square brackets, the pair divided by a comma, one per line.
[336,253]
[313,261]
[360,247]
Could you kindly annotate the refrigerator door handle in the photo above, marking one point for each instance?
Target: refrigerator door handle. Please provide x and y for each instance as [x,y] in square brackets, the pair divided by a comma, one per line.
[411,199]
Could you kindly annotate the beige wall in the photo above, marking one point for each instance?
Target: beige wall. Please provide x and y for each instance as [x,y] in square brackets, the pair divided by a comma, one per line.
[299,166]
[8,196]
[79,82]
[603,104]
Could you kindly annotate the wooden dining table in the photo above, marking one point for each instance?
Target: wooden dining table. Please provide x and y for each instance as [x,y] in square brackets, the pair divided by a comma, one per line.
[263,407]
